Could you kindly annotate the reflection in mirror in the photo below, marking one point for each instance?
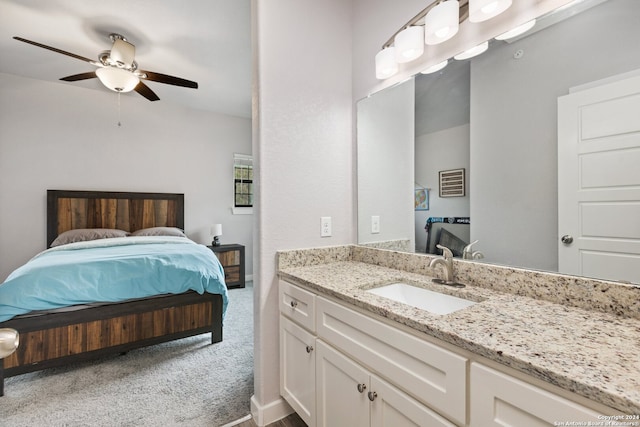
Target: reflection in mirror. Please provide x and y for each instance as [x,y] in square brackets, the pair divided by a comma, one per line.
[442,143]
[496,115]
[385,166]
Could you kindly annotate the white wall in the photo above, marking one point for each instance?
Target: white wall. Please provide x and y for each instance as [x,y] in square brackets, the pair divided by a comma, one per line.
[57,136]
[303,146]
[385,173]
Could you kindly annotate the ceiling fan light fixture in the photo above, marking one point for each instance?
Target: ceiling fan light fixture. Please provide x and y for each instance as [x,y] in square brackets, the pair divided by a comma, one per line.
[117,79]
[122,52]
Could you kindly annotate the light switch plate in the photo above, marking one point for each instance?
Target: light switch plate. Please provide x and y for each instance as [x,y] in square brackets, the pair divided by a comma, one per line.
[375,224]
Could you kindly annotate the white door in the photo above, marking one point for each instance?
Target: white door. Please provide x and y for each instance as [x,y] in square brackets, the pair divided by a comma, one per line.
[342,390]
[599,181]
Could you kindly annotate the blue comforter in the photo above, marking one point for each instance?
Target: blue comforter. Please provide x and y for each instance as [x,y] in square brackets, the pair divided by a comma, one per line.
[111,270]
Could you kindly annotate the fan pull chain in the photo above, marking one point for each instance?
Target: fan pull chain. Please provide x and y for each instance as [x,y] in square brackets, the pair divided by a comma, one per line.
[119,112]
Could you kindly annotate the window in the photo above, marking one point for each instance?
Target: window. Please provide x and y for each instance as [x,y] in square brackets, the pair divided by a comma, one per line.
[242,181]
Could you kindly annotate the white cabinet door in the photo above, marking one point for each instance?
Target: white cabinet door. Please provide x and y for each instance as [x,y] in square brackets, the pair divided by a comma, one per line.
[393,408]
[432,375]
[342,387]
[501,400]
[297,369]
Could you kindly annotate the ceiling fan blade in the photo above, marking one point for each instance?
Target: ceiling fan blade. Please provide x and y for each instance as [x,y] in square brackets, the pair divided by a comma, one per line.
[170,80]
[145,91]
[73,55]
[82,76]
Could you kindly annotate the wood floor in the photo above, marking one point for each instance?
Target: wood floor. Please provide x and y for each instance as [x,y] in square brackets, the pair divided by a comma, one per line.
[292,420]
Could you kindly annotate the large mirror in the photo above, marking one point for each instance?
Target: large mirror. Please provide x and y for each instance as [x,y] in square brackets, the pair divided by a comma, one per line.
[496,117]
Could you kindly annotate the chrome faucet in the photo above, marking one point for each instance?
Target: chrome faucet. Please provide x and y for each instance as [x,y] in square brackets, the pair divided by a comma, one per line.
[469,253]
[446,260]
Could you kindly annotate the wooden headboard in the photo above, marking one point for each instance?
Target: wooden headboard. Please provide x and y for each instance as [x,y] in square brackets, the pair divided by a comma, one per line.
[69,210]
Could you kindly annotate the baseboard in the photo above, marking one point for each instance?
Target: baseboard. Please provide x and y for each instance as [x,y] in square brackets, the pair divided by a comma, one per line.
[270,413]
[239,421]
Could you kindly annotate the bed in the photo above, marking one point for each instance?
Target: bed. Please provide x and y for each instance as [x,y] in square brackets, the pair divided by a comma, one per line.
[51,336]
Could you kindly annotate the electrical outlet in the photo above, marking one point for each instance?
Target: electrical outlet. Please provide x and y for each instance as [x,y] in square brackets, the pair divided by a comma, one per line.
[325,226]
[375,224]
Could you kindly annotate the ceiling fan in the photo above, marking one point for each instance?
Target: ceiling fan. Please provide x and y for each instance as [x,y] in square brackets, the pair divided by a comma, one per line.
[118,70]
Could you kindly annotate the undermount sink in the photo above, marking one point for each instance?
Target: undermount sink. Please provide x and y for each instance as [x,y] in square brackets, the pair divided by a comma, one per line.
[433,302]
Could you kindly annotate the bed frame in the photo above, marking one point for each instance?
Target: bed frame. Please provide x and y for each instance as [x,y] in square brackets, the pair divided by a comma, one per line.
[59,339]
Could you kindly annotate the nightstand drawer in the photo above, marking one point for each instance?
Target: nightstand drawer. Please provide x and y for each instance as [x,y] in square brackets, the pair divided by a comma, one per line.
[231,257]
[232,274]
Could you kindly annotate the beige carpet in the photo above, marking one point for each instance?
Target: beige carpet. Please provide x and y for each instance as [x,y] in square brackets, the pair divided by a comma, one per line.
[188,382]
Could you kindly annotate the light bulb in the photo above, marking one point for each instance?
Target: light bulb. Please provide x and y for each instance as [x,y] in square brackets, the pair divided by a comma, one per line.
[442,22]
[409,44]
[474,51]
[490,8]
[386,65]
[482,10]
[521,29]
[439,66]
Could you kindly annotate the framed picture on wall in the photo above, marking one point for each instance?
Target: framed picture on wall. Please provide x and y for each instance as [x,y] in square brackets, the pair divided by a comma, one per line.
[421,199]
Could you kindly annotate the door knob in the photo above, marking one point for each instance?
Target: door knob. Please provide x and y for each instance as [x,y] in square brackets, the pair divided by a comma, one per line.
[567,239]
[372,395]
[294,303]
[309,348]
[362,388]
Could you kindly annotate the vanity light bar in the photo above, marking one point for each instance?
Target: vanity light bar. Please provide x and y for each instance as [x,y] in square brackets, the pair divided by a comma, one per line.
[419,18]
[438,23]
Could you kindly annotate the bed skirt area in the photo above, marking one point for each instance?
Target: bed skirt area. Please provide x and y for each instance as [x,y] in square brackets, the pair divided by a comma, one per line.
[58,339]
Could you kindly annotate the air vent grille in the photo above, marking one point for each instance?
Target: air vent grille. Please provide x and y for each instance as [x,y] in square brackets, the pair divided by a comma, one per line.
[452,183]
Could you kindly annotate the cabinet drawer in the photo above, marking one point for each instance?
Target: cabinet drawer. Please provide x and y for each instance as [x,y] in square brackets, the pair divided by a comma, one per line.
[498,399]
[297,304]
[432,375]
[229,257]
[231,274]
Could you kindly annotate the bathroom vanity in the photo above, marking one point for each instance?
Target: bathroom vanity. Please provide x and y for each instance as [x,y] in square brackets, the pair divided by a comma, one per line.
[512,356]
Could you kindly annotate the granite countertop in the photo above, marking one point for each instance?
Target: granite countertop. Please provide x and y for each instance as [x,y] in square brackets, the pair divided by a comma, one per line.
[591,353]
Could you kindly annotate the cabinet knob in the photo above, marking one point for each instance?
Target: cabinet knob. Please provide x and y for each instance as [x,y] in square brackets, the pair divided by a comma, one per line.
[309,348]
[294,303]
[372,395]
[362,388]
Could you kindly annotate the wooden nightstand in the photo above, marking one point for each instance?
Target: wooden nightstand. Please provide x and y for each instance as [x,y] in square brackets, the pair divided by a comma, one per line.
[232,259]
